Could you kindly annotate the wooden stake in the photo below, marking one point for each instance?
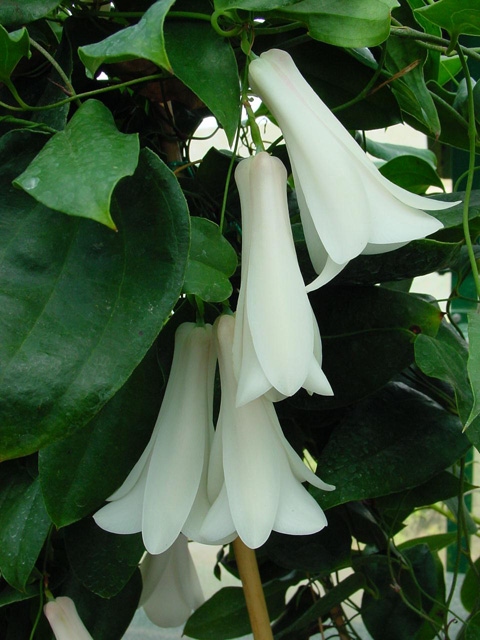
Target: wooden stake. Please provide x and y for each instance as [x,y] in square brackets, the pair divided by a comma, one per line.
[253,591]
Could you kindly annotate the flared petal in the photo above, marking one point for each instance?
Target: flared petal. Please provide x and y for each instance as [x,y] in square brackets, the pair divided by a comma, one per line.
[171,588]
[342,217]
[64,620]
[179,451]
[218,523]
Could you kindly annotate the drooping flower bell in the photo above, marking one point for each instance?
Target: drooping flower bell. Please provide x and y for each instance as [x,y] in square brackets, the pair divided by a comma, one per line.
[171,588]
[158,495]
[255,477]
[347,207]
[64,620]
[277,346]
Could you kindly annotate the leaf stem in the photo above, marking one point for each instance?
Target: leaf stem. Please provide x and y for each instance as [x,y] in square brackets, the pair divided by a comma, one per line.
[253,591]
[472,135]
[407,32]
[58,69]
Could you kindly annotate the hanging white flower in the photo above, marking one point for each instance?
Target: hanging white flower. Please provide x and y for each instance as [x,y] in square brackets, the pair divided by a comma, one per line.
[158,495]
[277,344]
[346,205]
[64,620]
[171,588]
[255,477]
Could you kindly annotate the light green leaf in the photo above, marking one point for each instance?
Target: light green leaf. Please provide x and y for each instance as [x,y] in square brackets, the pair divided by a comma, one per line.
[212,260]
[455,16]
[364,23]
[81,305]
[142,40]
[411,173]
[206,64]
[387,151]
[473,364]
[15,13]
[13,47]
[79,167]
[450,66]
[24,525]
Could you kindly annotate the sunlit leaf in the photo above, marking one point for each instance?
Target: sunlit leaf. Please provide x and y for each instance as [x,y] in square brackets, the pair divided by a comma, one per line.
[455,16]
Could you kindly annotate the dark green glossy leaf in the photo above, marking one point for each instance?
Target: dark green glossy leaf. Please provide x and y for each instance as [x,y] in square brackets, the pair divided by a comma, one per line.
[142,40]
[380,446]
[15,13]
[207,65]
[387,151]
[449,68]
[473,364]
[454,127]
[455,16]
[344,23]
[405,58]
[78,169]
[435,542]
[388,616]
[366,324]
[24,525]
[80,472]
[323,606]
[13,47]
[103,562]
[453,216]
[9,595]
[81,304]
[252,5]
[323,553]
[445,357]
[411,173]
[470,590]
[105,618]
[211,261]
[472,628]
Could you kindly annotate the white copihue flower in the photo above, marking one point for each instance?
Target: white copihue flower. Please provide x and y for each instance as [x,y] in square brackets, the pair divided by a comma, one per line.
[171,588]
[254,477]
[277,346]
[346,205]
[64,620]
[158,495]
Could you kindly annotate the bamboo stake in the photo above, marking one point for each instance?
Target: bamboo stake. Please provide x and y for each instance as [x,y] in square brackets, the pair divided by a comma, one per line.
[253,591]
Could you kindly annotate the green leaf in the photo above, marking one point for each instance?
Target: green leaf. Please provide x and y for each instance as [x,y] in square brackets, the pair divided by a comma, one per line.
[450,66]
[13,47]
[472,628]
[471,587]
[15,13]
[365,324]
[80,472]
[105,618]
[252,5]
[387,616]
[435,542]
[473,364]
[81,305]
[406,59]
[206,64]
[343,23]
[387,151]
[323,606]
[455,16]
[142,40]
[379,447]
[212,260]
[445,357]
[411,173]
[77,170]
[103,562]
[24,525]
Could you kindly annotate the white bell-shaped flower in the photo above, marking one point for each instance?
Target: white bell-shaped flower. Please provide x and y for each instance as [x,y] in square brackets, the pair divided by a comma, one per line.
[255,476]
[64,620]
[171,588]
[277,346]
[158,495]
[346,205]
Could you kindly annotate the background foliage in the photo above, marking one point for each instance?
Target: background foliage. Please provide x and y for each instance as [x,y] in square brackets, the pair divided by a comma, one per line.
[107,228]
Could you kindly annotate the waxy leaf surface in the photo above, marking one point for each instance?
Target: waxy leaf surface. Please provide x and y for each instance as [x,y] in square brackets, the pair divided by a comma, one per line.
[18,12]
[81,305]
[13,47]
[80,166]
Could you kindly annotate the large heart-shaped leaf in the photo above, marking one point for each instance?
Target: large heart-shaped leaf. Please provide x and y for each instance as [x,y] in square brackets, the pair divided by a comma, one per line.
[14,13]
[455,16]
[81,305]
[142,40]
[79,167]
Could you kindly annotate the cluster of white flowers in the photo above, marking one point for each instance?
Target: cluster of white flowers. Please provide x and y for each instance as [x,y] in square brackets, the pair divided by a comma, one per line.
[243,478]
